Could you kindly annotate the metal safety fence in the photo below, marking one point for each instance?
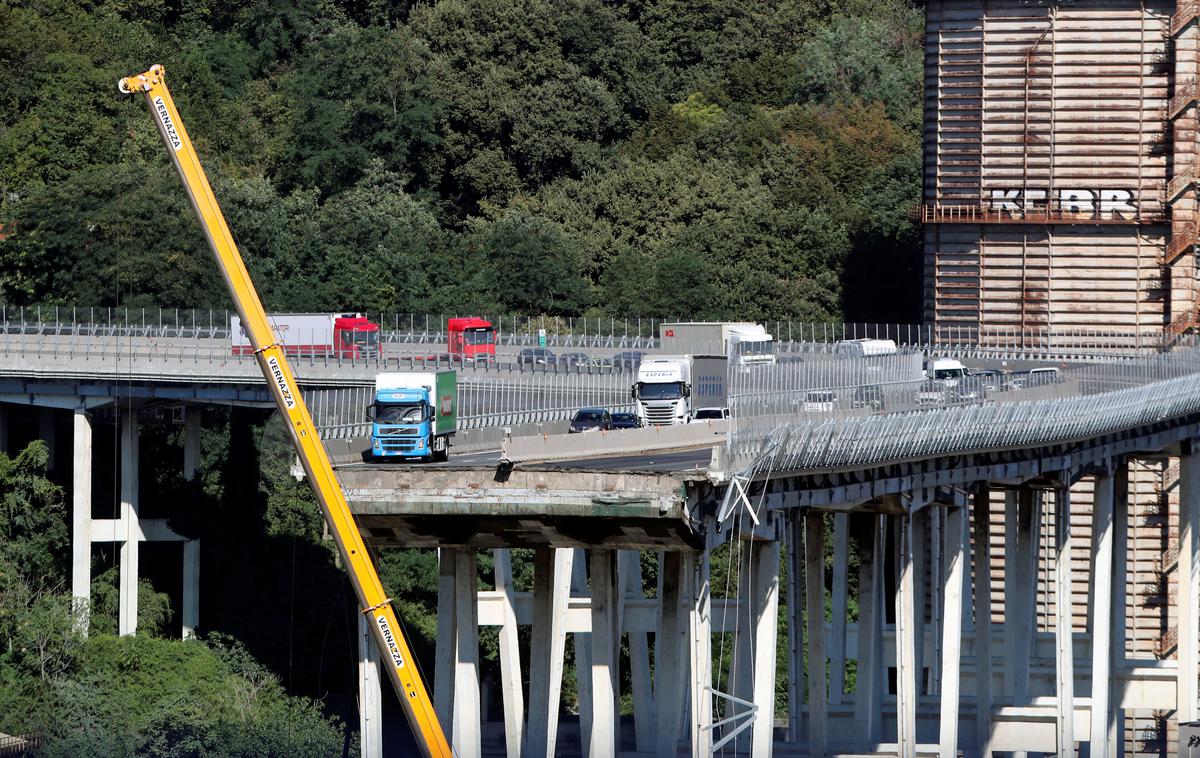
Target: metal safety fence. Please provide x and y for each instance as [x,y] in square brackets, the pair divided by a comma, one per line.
[792,418]
[1049,342]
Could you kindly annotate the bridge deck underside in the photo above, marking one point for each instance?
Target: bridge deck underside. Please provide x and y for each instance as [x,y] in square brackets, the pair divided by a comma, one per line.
[468,507]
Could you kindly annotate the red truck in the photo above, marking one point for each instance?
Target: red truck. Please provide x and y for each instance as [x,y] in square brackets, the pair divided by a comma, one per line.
[347,335]
[470,338]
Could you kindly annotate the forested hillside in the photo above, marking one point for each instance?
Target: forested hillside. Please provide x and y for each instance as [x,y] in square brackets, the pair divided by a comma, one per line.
[701,158]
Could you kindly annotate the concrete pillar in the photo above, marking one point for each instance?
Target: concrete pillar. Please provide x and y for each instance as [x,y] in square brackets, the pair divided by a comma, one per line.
[1188,587]
[697,566]
[793,536]
[920,558]
[510,657]
[129,527]
[839,594]
[467,724]
[765,599]
[670,645]
[1064,655]
[444,645]
[906,677]
[81,516]
[1020,580]
[1120,544]
[867,701]
[952,590]
[983,620]
[370,701]
[629,571]
[1102,571]
[605,676]
[46,433]
[583,655]
[740,675]
[551,590]
[814,579]
[191,548]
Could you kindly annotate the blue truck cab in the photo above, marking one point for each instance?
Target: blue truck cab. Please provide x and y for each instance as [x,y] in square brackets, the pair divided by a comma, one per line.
[413,416]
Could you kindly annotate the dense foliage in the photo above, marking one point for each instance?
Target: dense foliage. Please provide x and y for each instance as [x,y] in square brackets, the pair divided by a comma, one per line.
[635,157]
[108,695]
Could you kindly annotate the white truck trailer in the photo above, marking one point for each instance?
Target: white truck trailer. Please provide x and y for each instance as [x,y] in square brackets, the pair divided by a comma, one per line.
[750,342]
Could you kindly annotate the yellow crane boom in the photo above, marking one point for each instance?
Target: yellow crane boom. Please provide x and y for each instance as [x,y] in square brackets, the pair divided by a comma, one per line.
[397,658]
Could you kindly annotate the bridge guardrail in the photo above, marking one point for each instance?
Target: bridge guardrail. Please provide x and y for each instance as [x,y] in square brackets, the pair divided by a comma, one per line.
[789,426]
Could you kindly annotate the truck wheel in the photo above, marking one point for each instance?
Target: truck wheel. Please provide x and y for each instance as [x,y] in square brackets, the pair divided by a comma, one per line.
[441,456]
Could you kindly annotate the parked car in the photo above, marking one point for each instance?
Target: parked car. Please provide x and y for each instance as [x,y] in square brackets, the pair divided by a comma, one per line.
[572,360]
[1040,377]
[870,396]
[991,379]
[932,392]
[590,419]
[536,356]
[819,402]
[629,359]
[626,421]
[710,414]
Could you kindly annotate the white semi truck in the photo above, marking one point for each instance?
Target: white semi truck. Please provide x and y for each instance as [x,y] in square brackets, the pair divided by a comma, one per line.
[670,387]
[750,342]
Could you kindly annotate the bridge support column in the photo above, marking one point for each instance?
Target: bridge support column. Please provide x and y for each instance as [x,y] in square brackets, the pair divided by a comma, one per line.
[467,723]
[1064,652]
[983,620]
[456,655]
[46,434]
[906,677]
[583,656]
[839,595]
[952,584]
[129,528]
[191,548]
[814,579]
[867,701]
[1188,592]
[81,516]
[1102,576]
[669,645]
[629,572]
[370,702]
[551,590]
[1120,545]
[510,657]
[793,541]
[1023,522]
[605,649]
[697,567]
[765,602]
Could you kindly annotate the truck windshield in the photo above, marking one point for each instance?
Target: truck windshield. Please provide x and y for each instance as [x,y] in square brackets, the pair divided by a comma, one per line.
[366,339]
[672,391]
[765,347]
[949,373]
[479,336]
[398,414]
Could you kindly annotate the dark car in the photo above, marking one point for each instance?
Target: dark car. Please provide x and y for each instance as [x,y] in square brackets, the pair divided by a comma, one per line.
[571,360]
[630,359]
[590,419]
[536,356]
[626,421]
[869,396]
